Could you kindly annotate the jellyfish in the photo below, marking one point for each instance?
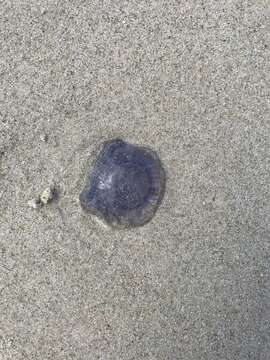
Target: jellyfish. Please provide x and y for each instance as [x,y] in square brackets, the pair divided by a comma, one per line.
[125,186]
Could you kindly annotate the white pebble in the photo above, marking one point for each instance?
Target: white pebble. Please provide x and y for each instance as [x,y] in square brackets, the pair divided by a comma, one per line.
[47,195]
[34,204]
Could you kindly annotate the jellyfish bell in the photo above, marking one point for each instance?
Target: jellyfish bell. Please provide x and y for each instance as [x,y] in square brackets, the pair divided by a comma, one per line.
[125,186]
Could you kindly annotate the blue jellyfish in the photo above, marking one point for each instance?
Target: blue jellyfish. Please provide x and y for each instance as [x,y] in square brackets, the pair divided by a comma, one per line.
[125,186]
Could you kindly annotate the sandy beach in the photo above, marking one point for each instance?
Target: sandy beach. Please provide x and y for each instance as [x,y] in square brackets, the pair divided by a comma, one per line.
[189,79]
